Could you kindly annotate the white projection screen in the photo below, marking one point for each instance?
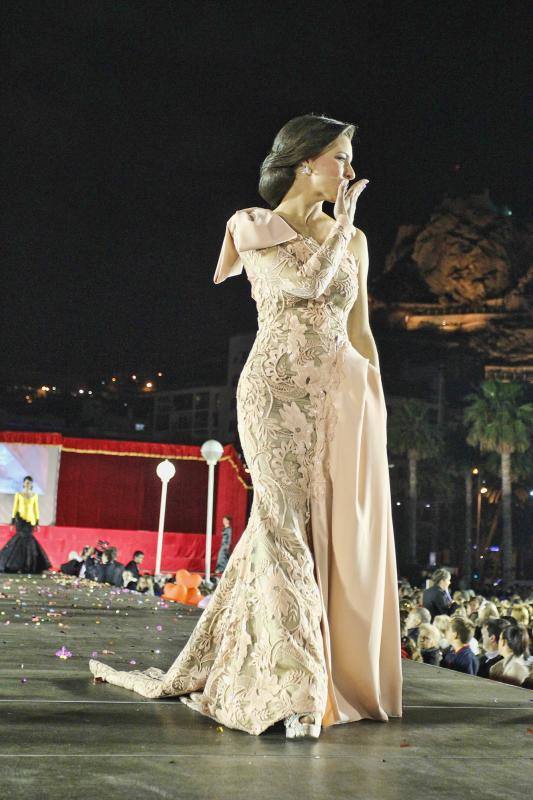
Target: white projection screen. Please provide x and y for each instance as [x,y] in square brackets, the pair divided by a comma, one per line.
[42,463]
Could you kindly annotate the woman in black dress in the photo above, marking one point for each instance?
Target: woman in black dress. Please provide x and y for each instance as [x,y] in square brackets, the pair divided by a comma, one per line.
[23,553]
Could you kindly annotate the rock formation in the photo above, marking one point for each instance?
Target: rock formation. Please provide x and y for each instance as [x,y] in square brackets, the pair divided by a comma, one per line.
[468,252]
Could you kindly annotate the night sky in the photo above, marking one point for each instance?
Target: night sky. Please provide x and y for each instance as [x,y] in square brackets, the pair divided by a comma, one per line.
[135,128]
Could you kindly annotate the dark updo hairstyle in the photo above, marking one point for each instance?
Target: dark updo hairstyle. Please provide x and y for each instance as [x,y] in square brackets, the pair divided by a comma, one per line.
[300,138]
[27,478]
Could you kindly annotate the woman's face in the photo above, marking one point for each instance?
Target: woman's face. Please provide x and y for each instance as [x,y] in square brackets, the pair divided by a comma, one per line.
[451,636]
[331,167]
[503,647]
[27,485]
[426,641]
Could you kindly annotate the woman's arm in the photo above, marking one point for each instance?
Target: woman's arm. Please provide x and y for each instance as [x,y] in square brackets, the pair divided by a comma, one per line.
[15,508]
[359,332]
[36,506]
[311,278]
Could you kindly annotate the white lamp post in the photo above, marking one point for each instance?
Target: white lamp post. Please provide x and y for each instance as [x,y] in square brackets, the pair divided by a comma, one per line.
[211,451]
[165,471]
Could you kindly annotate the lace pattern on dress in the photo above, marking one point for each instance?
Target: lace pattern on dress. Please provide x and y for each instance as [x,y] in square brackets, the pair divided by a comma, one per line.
[257,652]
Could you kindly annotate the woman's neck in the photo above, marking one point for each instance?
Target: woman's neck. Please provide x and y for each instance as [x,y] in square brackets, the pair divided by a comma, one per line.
[305,212]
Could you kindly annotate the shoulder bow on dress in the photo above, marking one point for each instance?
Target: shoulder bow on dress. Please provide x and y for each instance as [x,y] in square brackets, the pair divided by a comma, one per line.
[250,229]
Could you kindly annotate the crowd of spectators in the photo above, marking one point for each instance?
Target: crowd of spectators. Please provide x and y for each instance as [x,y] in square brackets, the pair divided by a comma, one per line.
[468,632]
[100,564]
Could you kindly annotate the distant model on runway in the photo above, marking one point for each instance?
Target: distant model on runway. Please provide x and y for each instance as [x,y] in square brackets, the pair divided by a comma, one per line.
[23,553]
[223,553]
[304,624]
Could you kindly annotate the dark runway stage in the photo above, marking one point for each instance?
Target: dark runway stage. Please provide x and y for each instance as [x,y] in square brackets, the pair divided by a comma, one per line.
[64,737]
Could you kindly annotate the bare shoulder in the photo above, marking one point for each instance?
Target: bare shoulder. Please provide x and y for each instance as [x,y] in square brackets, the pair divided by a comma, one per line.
[358,245]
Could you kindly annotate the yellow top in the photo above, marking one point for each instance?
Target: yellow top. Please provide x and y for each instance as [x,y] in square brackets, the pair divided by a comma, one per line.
[26,507]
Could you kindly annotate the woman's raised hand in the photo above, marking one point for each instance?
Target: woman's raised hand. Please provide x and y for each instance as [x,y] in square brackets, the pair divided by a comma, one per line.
[346,201]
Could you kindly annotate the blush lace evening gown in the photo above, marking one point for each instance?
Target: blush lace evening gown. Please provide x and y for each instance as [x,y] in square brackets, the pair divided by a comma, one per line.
[305,617]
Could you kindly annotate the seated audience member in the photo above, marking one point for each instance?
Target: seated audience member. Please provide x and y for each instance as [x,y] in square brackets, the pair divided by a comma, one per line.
[487,611]
[74,564]
[92,568]
[520,613]
[460,611]
[437,598]
[416,597]
[133,565]
[416,617]
[101,546]
[428,642]
[404,589]
[408,646]
[112,569]
[460,657]
[490,631]
[472,607]
[484,607]
[442,622]
[145,585]
[513,645]
[474,643]
[129,581]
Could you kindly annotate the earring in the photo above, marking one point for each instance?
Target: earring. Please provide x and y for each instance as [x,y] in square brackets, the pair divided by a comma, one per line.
[306,170]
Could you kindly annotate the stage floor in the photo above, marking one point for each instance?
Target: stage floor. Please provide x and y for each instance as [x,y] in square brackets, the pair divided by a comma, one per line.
[64,737]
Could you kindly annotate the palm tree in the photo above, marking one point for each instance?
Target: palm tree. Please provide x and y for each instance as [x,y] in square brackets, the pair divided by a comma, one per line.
[498,421]
[521,472]
[456,463]
[411,433]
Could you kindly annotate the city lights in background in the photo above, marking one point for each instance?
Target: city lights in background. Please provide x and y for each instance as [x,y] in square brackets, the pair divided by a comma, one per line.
[46,389]
[117,383]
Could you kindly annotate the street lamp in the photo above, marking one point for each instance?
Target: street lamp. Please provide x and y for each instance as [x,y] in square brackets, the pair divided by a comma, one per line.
[165,471]
[211,451]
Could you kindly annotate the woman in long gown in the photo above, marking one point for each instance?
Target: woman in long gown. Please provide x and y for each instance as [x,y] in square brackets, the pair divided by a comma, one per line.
[304,624]
[23,553]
